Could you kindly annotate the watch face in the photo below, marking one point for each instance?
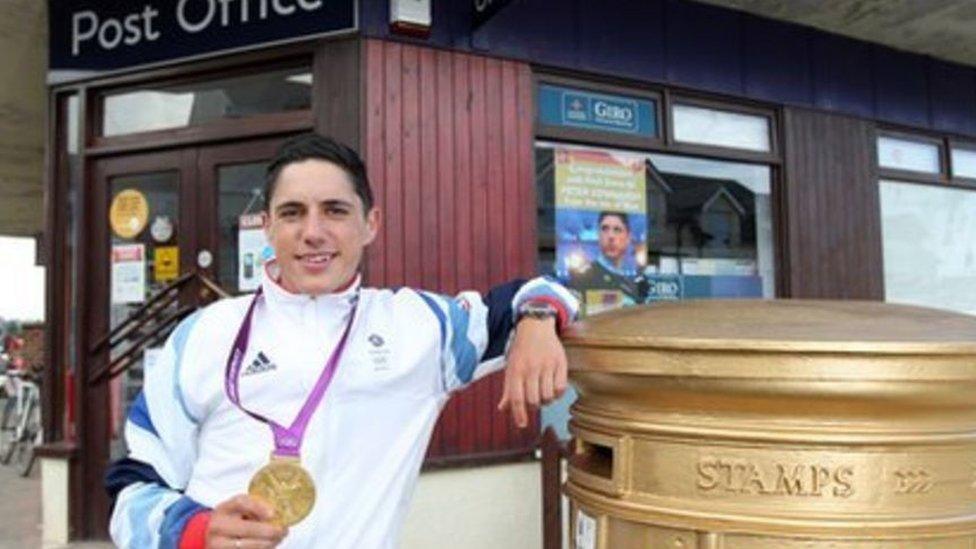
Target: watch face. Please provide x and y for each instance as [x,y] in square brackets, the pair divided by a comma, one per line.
[537,310]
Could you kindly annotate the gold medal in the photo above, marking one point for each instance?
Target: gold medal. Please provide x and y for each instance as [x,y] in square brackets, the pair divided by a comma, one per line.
[286,487]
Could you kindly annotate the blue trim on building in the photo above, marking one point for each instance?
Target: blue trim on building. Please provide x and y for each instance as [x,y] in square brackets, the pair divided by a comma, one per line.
[713,49]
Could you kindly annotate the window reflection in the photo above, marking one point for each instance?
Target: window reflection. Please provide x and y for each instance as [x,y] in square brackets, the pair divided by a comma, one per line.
[929,243]
[964,163]
[701,228]
[693,229]
[167,107]
[905,154]
[239,203]
[720,128]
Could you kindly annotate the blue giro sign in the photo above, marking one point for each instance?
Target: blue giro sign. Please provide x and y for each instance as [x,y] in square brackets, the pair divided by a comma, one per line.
[562,106]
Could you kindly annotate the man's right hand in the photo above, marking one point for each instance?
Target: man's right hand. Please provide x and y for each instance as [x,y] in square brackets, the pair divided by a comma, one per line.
[242,522]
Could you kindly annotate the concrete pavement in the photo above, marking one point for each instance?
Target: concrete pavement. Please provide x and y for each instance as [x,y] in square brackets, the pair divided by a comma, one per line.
[20,512]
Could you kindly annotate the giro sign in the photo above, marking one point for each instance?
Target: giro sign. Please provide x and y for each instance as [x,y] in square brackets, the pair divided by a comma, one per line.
[561,106]
[92,36]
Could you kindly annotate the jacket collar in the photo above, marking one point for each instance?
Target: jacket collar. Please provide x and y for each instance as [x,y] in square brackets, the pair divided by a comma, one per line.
[277,296]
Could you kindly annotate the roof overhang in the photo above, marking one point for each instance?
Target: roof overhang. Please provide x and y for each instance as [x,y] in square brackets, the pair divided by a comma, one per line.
[945,29]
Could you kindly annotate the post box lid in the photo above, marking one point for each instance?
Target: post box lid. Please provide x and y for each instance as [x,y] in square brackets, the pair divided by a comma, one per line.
[808,326]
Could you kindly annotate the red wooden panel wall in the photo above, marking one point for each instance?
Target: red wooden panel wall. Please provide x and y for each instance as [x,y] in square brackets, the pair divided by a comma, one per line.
[448,143]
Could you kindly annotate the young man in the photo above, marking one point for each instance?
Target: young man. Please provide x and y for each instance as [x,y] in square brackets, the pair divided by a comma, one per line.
[610,272]
[315,395]
[614,240]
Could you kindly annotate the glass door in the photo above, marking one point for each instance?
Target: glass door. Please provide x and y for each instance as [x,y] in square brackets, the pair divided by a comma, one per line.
[231,189]
[160,220]
[144,236]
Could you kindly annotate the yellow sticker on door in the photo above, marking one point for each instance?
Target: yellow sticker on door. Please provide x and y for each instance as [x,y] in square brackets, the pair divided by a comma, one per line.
[128,213]
[166,261]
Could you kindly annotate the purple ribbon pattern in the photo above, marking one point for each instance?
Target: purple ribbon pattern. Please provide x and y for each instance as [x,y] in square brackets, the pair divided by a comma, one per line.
[287,440]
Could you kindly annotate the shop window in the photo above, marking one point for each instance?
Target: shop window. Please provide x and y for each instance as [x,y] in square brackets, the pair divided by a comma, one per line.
[622,227]
[719,128]
[929,243]
[964,162]
[909,155]
[164,107]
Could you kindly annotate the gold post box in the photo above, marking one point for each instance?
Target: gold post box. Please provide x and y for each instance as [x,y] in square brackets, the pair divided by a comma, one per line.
[773,424]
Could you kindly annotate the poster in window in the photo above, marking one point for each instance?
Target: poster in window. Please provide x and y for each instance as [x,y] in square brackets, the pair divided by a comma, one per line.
[601,225]
[128,273]
[251,254]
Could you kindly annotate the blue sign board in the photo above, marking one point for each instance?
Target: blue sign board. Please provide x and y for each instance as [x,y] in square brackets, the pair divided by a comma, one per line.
[722,286]
[88,37]
[569,107]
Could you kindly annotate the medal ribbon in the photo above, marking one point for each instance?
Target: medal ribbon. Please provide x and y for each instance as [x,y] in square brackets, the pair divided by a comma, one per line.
[287,440]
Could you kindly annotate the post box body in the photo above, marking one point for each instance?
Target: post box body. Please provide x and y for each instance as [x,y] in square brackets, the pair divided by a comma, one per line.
[779,424]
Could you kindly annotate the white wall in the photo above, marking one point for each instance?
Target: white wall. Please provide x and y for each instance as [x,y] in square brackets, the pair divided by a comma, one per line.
[477,508]
[23,298]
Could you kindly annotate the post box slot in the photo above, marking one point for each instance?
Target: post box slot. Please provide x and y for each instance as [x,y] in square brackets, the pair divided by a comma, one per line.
[594,458]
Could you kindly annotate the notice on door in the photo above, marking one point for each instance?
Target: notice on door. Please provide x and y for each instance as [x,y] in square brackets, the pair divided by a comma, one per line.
[251,244]
[128,273]
[166,263]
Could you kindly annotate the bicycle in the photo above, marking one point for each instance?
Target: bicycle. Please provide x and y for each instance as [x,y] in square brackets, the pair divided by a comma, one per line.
[17,441]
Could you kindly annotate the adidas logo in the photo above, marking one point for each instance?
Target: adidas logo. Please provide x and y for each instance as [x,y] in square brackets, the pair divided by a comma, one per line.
[260,364]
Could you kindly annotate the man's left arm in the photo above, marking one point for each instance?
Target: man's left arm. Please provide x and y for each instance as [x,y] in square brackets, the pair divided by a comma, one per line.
[476,333]
[536,368]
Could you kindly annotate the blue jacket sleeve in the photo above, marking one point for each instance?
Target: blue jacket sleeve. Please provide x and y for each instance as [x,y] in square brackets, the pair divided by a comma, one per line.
[475,330]
[146,487]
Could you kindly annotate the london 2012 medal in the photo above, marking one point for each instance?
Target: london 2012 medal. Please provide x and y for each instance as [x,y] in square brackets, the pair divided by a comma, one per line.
[283,483]
[286,487]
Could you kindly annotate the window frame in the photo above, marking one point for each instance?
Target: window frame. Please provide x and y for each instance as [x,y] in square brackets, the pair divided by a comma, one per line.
[774,159]
[773,156]
[261,124]
[945,142]
[921,177]
[959,180]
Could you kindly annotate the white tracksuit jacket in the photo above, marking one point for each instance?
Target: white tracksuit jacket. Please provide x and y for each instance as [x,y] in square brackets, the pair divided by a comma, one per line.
[191,448]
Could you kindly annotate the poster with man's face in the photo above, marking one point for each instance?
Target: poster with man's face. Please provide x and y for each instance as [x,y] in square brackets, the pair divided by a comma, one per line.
[601,225]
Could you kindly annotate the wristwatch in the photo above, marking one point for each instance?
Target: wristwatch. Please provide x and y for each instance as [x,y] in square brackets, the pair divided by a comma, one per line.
[536,309]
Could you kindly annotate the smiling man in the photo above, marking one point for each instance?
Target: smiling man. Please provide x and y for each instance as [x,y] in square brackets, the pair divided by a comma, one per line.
[614,240]
[300,416]
[610,274]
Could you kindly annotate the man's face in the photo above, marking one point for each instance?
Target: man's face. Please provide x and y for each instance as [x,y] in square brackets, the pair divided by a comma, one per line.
[614,237]
[317,227]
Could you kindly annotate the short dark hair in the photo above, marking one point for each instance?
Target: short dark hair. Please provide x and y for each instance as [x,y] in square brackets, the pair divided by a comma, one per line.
[623,217]
[312,146]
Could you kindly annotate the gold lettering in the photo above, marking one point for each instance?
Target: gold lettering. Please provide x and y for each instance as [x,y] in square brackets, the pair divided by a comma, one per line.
[726,468]
[706,476]
[748,478]
[791,483]
[821,478]
[754,482]
[843,477]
